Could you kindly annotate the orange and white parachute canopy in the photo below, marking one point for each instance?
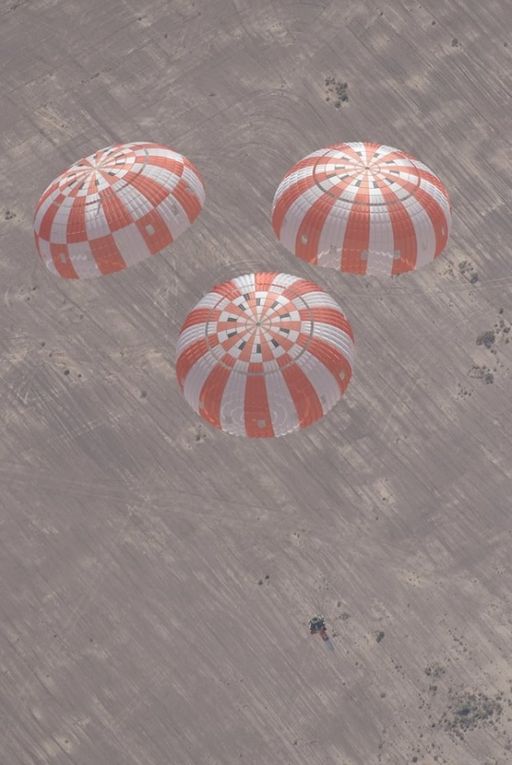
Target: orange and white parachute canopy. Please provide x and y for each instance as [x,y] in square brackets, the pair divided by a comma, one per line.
[362,208]
[264,354]
[115,208]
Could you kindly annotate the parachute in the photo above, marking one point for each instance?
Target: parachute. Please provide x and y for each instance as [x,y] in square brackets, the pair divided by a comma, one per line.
[362,208]
[264,354]
[115,208]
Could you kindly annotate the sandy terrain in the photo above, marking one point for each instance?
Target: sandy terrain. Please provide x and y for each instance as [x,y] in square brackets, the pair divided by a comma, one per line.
[157,576]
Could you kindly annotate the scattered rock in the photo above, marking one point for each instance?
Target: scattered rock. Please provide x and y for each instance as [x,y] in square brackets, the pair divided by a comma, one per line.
[482,373]
[463,392]
[200,436]
[487,338]
[337,89]
[455,43]
[9,215]
[435,670]
[379,636]
[468,271]
[470,710]
[88,79]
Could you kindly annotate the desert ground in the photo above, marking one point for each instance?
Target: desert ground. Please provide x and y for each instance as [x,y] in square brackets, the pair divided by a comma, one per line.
[157,575]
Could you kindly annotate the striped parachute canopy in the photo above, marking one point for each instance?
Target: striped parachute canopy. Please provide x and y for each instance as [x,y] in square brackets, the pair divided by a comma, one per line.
[264,354]
[115,208]
[362,208]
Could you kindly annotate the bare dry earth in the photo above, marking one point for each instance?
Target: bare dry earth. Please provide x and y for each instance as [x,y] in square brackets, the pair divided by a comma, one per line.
[156,576]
